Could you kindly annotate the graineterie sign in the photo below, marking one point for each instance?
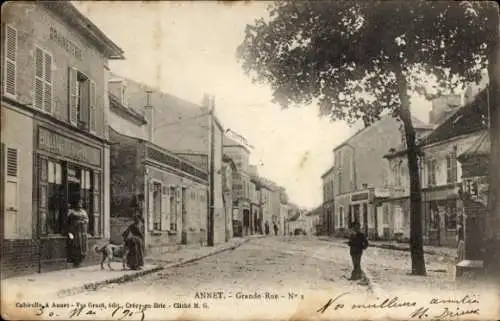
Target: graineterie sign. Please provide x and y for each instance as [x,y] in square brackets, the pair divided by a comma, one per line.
[65,43]
[64,146]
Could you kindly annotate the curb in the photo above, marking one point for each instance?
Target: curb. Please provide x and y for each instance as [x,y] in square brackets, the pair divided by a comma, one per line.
[130,277]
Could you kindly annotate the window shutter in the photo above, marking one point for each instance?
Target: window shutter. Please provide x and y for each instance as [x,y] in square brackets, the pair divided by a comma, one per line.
[72,95]
[39,81]
[96,208]
[165,224]
[84,103]
[150,206]
[42,195]
[10,61]
[92,107]
[47,92]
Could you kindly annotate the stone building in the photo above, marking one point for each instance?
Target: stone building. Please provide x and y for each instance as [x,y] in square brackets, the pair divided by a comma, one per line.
[236,147]
[440,175]
[54,140]
[184,128]
[360,174]
[166,190]
[328,219]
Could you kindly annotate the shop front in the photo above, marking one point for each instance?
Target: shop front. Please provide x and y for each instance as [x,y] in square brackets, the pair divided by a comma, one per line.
[67,170]
[441,208]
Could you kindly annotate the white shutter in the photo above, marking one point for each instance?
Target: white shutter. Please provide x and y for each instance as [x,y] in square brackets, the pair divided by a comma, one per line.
[92,107]
[47,90]
[10,61]
[150,207]
[165,224]
[72,95]
[39,81]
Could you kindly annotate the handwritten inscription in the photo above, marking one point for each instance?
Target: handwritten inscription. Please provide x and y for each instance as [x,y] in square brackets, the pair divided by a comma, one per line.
[436,308]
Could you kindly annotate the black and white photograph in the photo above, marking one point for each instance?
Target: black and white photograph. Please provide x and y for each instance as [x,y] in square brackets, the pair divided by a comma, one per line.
[250,160]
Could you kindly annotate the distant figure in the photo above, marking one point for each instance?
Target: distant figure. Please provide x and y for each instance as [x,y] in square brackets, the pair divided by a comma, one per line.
[460,242]
[266,227]
[357,243]
[134,240]
[275,229]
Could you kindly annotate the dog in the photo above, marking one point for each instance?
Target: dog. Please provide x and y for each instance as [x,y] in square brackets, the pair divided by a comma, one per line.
[109,252]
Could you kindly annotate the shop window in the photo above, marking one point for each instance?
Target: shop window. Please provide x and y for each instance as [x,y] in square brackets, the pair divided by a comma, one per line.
[55,195]
[451,215]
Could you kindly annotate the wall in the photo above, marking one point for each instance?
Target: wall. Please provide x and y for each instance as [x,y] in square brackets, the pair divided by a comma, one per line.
[18,225]
[219,213]
[33,23]
[370,145]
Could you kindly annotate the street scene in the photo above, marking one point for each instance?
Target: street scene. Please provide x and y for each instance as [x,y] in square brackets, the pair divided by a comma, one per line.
[274,160]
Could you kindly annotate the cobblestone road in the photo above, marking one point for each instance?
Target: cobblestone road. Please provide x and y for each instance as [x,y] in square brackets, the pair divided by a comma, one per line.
[269,279]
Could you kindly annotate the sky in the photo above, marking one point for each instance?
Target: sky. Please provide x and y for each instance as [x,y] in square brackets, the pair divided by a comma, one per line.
[188,49]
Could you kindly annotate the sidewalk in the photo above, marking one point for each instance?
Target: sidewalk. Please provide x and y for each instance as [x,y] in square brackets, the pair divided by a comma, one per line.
[72,281]
[449,253]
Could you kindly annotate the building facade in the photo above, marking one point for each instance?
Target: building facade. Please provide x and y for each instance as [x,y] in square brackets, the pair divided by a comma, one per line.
[328,209]
[236,147]
[192,132]
[54,89]
[169,192]
[360,174]
[440,176]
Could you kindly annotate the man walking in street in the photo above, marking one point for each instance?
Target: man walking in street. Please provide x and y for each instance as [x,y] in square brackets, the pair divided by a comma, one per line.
[275,229]
[357,243]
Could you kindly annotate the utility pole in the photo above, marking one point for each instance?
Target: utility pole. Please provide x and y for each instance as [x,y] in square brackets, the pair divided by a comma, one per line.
[211,152]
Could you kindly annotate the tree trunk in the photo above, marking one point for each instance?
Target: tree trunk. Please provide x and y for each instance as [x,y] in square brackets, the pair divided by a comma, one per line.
[416,242]
[493,219]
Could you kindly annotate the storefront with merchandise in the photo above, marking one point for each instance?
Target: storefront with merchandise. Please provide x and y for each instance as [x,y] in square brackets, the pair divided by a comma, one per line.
[68,168]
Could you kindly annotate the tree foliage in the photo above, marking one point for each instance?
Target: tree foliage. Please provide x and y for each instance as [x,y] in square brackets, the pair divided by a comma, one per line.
[343,53]
[359,58]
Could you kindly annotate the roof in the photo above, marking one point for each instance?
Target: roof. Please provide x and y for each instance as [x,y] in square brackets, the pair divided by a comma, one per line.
[73,17]
[228,159]
[480,147]
[115,102]
[417,124]
[465,120]
[328,171]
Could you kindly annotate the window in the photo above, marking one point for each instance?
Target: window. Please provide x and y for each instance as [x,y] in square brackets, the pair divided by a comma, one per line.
[385,216]
[157,194]
[42,98]
[451,166]
[82,100]
[55,213]
[398,172]
[10,69]
[341,217]
[431,172]
[173,208]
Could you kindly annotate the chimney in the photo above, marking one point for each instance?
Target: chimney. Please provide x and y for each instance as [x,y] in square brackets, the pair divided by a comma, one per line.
[149,113]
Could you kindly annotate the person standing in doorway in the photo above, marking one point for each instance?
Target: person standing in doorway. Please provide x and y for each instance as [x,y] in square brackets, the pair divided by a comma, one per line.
[78,221]
[275,229]
[266,227]
[357,244]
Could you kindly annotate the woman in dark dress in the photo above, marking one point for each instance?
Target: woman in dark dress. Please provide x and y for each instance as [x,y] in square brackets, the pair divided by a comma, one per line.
[134,241]
[78,221]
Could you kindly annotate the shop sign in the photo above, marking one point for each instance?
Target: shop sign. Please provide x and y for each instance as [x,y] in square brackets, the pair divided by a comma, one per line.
[359,197]
[61,145]
[476,188]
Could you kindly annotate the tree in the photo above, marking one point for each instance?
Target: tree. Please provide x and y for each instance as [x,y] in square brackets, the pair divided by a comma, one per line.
[358,59]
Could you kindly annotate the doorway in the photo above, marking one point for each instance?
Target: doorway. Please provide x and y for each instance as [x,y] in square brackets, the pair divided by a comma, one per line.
[246,222]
